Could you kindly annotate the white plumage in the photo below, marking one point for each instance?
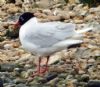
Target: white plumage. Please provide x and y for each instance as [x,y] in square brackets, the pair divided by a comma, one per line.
[44,39]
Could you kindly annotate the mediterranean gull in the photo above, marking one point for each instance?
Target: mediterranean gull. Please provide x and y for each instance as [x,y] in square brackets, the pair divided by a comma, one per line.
[45,39]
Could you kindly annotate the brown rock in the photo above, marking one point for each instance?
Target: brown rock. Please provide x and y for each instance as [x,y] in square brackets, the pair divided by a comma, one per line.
[13,10]
[72,14]
[16,45]
[98,66]
[91,61]
[70,83]
[47,12]
[87,18]
[58,69]
[3,14]
[40,15]
[54,18]
[78,21]
[2,1]
[43,4]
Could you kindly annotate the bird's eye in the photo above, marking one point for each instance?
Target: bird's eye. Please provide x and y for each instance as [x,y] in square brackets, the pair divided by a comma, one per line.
[22,18]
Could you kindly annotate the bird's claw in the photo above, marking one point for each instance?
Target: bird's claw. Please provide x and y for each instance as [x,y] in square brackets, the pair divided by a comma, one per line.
[40,73]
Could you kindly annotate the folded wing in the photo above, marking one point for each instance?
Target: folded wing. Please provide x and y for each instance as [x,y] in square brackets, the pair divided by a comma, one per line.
[50,33]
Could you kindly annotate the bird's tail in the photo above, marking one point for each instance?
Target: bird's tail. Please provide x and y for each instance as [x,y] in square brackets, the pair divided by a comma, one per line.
[94,26]
[67,43]
[84,30]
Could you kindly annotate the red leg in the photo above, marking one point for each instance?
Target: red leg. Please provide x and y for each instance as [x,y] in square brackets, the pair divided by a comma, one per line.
[46,66]
[37,72]
[39,66]
[41,70]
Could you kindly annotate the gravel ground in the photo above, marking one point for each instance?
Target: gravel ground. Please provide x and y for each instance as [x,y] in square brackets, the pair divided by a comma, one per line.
[78,66]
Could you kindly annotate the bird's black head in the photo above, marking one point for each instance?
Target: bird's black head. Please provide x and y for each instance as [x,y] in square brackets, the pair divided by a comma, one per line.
[22,20]
[25,17]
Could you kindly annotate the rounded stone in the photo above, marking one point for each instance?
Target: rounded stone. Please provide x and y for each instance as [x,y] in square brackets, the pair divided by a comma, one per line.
[93,83]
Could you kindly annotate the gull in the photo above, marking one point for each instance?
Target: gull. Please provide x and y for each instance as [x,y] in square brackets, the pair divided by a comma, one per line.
[45,39]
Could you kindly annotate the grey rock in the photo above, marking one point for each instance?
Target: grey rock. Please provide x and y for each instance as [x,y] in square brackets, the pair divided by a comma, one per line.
[1,39]
[26,74]
[6,80]
[85,78]
[69,77]
[1,82]
[4,74]
[17,71]
[7,67]
[93,83]
[27,66]
[9,85]
[62,75]
[10,1]
[83,53]
[84,13]
[21,85]
[18,80]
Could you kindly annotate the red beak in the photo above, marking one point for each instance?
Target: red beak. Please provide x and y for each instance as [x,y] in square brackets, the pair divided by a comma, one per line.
[17,25]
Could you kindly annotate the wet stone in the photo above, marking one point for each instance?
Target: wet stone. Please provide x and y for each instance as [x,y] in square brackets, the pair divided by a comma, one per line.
[93,83]
[21,85]
[84,78]
[48,78]
[1,82]
[17,72]
[9,85]
[18,80]
[27,66]
[6,79]
[7,67]
[62,75]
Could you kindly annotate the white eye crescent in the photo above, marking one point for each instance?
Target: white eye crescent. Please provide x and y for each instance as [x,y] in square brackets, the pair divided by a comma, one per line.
[22,18]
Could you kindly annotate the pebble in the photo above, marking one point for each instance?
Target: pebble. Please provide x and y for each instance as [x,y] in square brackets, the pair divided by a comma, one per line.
[81,72]
[27,66]
[26,74]
[84,78]
[17,71]
[13,10]
[93,83]
[84,13]
[8,46]
[63,75]
[72,14]
[47,12]
[53,82]
[9,85]
[21,85]
[91,61]
[7,67]
[48,78]
[88,17]
[98,66]
[78,21]
[1,83]
[19,80]
[1,39]
[94,9]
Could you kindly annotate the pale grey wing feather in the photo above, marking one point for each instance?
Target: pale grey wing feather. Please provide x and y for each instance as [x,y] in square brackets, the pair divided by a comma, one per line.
[50,33]
[42,40]
[58,30]
[64,30]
